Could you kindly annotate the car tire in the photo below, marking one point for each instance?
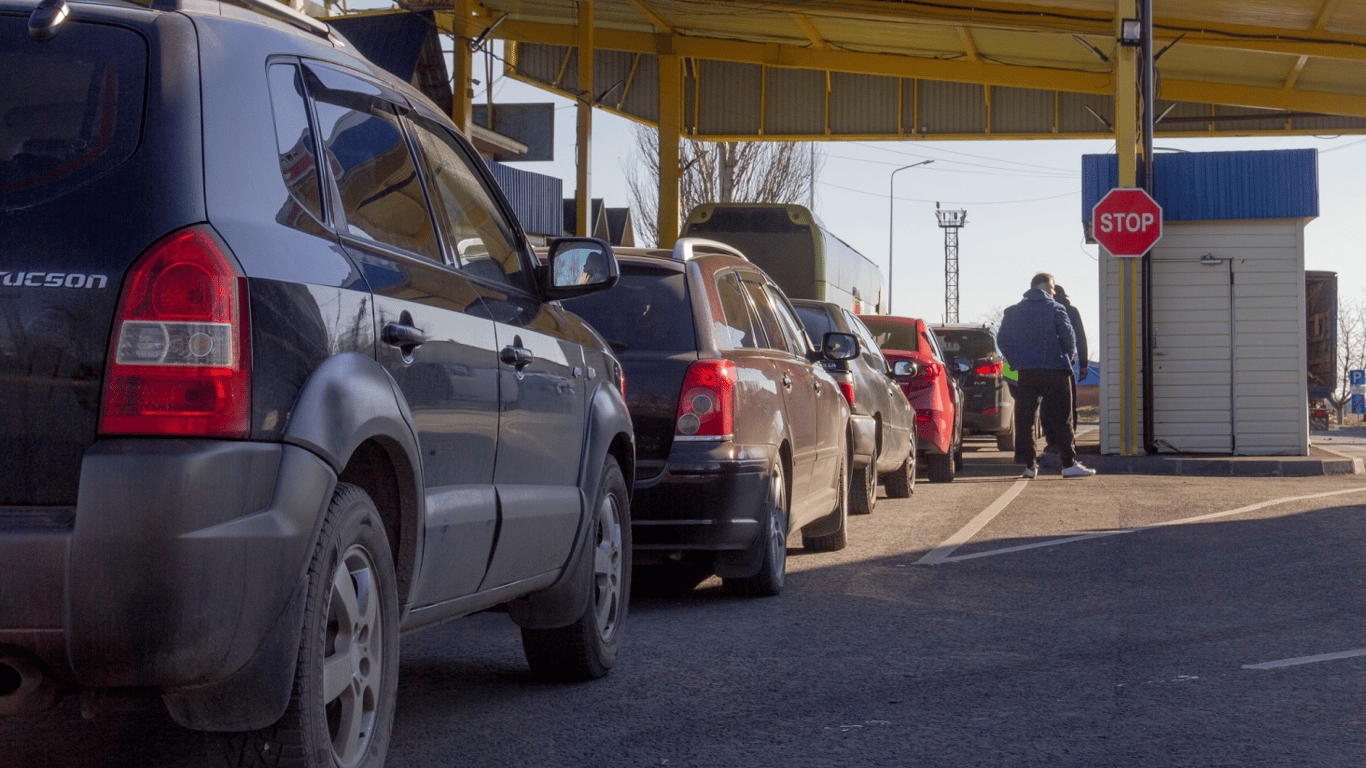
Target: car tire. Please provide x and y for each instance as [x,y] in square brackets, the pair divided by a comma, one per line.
[940,466]
[587,649]
[838,539]
[768,582]
[900,483]
[350,627]
[863,490]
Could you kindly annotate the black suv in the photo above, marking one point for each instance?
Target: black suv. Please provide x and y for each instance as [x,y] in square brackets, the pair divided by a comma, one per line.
[988,405]
[742,434]
[283,379]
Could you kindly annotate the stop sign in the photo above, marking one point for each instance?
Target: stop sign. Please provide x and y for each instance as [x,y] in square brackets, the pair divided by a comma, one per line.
[1127,222]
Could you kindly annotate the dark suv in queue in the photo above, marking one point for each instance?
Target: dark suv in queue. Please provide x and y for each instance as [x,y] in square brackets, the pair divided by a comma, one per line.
[742,435]
[283,379]
[882,421]
[988,406]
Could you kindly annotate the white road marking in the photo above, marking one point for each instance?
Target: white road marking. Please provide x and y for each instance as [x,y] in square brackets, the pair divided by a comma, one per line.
[1306,660]
[941,553]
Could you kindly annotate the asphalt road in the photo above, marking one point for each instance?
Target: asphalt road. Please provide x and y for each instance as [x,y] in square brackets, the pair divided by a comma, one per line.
[1107,621]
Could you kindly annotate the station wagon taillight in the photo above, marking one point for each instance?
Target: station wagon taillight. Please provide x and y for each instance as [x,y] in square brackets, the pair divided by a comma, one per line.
[707,406]
[991,369]
[178,360]
[847,389]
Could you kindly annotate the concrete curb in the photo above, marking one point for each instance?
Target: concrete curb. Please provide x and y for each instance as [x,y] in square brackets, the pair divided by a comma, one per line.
[1321,461]
[1211,466]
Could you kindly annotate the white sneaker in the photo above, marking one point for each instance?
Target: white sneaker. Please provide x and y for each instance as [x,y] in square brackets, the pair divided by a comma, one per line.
[1078,470]
[1029,473]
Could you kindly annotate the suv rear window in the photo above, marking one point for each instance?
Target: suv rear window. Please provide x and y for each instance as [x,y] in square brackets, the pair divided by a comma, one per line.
[70,108]
[975,344]
[646,311]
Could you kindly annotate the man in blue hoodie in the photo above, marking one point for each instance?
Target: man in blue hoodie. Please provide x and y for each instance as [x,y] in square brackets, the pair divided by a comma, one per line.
[1037,339]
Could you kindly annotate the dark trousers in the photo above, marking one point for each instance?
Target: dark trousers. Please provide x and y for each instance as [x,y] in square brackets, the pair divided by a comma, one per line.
[1049,393]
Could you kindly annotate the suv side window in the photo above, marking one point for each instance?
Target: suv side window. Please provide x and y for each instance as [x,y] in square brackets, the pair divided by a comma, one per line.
[478,238]
[294,140]
[737,329]
[380,193]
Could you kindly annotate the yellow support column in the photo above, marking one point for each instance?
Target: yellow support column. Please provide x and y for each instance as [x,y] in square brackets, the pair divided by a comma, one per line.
[1126,149]
[462,29]
[583,198]
[670,128]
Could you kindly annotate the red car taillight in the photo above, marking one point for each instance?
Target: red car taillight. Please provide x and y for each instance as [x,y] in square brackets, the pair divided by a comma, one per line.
[993,369]
[847,389]
[930,371]
[178,360]
[707,405]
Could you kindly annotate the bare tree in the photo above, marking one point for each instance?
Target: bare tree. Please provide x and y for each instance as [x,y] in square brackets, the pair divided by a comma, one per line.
[751,172]
[1351,350]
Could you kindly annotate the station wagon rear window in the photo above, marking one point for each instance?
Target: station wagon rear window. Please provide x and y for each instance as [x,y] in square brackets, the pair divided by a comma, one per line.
[70,108]
[646,311]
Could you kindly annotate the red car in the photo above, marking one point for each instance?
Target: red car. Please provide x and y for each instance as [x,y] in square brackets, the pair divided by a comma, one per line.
[933,390]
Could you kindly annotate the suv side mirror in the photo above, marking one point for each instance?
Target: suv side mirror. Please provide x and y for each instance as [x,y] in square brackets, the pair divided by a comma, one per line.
[839,346]
[576,266]
[962,366]
[905,369]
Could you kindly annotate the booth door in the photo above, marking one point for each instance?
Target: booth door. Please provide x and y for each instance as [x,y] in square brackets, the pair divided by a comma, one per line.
[1193,329]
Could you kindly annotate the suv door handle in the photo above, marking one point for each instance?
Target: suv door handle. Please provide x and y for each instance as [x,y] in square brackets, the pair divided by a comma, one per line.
[405,337]
[787,381]
[517,357]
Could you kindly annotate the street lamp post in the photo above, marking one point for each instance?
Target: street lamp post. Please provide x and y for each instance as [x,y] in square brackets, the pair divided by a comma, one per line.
[891,225]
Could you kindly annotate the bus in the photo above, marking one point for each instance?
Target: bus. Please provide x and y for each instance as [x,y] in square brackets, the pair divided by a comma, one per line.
[796,250]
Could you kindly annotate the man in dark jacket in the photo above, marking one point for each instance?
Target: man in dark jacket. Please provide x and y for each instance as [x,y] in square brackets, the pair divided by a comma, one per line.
[1083,356]
[1037,339]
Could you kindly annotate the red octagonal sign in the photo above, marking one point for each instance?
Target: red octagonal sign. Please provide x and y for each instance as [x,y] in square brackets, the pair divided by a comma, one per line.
[1127,222]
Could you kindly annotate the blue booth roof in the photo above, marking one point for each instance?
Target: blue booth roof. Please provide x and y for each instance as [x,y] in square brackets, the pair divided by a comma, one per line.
[1217,186]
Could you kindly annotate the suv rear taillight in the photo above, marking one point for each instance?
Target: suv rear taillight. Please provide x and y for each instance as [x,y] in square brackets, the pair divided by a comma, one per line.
[707,405]
[991,369]
[178,359]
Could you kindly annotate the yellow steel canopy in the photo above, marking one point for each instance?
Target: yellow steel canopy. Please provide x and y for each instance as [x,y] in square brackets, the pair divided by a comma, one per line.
[890,69]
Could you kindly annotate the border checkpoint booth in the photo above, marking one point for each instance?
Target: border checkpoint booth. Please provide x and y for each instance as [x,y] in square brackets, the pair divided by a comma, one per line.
[1228,304]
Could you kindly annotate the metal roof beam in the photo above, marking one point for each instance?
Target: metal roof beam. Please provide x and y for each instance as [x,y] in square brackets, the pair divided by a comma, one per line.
[775,55]
[809,29]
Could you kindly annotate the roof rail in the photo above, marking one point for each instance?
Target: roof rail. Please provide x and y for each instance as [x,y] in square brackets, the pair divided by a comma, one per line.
[686,248]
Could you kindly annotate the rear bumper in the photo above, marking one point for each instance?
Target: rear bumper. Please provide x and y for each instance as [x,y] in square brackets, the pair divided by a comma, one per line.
[707,498]
[935,435]
[178,562]
[864,429]
[997,423]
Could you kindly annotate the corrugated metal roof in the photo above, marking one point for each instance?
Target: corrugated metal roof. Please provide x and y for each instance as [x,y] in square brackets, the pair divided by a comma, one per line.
[1218,186]
[1294,60]
[537,199]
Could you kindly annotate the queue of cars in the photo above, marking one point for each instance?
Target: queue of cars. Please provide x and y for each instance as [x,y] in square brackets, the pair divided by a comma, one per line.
[324,391]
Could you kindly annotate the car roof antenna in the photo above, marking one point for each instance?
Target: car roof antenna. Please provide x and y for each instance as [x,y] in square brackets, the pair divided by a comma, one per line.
[46,18]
